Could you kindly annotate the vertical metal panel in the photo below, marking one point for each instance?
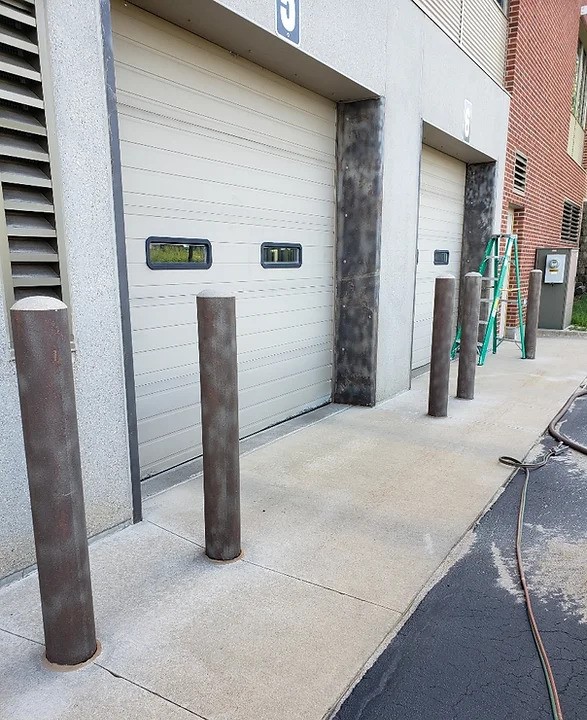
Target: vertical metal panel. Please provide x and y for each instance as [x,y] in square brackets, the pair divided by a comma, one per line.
[485,34]
[479,26]
[447,13]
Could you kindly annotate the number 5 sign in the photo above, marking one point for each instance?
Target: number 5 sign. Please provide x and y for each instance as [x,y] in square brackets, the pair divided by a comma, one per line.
[288,20]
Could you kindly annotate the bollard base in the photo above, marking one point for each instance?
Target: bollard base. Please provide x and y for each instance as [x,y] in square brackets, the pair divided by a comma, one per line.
[240,556]
[56,667]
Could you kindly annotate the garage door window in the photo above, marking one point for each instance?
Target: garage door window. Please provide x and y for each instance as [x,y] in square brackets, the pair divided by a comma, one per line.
[178,254]
[275,255]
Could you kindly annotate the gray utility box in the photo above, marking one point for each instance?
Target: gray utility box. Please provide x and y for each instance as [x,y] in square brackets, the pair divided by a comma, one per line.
[559,267]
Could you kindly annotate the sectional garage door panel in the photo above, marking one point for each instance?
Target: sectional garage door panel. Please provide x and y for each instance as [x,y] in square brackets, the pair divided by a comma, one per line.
[440,227]
[217,148]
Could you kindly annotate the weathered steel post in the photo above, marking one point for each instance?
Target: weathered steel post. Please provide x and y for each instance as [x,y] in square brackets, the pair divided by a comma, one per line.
[471,307]
[444,300]
[49,420]
[532,313]
[220,429]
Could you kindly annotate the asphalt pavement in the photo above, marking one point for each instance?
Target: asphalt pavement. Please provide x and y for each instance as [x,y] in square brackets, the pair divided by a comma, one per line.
[467,653]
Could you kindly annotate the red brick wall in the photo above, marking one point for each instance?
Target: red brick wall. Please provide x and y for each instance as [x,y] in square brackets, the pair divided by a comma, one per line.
[540,71]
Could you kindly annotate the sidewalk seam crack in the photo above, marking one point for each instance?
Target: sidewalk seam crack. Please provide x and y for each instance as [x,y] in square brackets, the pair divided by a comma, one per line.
[151,692]
[177,535]
[322,587]
[284,574]
[22,637]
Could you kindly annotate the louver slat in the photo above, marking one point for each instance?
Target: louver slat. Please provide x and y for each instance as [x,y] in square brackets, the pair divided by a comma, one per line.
[19,93]
[17,174]
[30,251]
[33,226]
[27,5]
[18,66]
[17,39]
[10,11]
[18,198]
[22,147]
[33,275]
[12,119]
[25,173]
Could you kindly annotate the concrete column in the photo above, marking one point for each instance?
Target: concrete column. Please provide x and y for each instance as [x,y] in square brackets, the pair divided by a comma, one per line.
[444,300]
[49,421]
[532,313]
[470,309]
[220,428]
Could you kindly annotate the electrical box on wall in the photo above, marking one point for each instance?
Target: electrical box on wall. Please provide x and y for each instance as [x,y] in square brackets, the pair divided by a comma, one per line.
[559,267]
[554,269]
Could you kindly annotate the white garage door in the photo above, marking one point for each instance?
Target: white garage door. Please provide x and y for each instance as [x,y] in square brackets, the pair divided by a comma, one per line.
[216,148]
[440,231]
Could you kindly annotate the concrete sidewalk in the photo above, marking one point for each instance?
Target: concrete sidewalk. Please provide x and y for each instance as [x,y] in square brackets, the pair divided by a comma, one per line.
[345,522]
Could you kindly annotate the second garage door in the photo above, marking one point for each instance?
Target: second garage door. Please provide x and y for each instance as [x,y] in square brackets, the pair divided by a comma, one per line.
[214,148]
[440,239]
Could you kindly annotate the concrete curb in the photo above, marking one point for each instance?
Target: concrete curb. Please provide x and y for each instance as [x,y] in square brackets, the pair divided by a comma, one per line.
[569,333]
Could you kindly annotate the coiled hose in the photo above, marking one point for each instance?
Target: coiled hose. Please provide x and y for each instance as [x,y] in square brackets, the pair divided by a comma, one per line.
[563,442]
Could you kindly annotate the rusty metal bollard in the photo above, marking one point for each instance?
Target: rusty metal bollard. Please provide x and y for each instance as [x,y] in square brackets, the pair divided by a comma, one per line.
[469,333]
[444,300]
[533,313]
[49,419]
[220,429]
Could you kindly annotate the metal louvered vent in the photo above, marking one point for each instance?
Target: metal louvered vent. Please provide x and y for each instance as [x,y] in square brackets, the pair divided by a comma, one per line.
[571,226]
[25,172]
[520,173]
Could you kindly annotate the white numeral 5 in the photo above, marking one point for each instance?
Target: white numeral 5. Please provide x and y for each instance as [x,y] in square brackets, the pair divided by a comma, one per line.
[288,14]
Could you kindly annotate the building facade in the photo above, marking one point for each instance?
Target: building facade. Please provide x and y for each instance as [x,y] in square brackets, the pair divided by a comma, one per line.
[324,163]
[545,180]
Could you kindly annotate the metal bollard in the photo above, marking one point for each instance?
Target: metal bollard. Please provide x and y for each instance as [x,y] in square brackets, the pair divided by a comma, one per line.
[49,419]
[444,300]
[532,313]
[220,429]
[469,332]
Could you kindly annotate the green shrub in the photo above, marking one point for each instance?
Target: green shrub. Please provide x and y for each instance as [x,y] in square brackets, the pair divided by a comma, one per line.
[580,312]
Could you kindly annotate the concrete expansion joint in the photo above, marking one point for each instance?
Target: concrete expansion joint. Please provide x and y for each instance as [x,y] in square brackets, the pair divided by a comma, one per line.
[241,558]
[151,692]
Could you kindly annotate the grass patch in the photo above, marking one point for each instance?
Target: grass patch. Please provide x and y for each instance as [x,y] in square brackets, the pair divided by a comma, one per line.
[580,313]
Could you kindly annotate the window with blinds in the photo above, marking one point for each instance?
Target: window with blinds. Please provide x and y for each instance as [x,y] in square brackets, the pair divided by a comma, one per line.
[28,236]
[480,27]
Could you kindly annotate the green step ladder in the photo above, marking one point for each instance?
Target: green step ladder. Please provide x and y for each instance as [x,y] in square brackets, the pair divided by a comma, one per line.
[494,270]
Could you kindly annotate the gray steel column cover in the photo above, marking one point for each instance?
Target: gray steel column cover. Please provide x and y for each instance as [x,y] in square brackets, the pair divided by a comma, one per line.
[359,210]
[49,421]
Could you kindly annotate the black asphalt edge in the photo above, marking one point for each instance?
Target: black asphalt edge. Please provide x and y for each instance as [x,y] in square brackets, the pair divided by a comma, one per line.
[457,553]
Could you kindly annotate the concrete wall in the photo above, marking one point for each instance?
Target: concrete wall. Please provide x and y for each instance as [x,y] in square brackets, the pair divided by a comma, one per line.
[386,48]
[347,35]
[390,48]
[81,125]
[428,80]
